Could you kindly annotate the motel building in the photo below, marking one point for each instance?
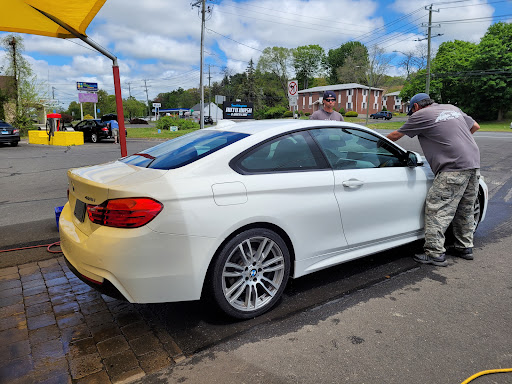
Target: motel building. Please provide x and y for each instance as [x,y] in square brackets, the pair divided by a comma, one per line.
[351,97]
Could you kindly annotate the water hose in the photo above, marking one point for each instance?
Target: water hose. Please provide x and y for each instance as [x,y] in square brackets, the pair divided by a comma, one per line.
[504,370]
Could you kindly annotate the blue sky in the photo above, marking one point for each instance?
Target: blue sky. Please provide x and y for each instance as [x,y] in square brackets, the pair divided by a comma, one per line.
[157,42]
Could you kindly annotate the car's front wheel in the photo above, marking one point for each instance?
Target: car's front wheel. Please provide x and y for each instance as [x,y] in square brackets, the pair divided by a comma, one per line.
[250,273]
[94,138]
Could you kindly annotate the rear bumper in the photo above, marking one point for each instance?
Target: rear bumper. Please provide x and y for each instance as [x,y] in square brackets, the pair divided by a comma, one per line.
[142,265]
[9,138]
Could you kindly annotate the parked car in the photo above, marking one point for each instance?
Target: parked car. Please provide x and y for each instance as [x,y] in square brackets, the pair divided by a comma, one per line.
[9,134]
[208,120]
[382,115]
[95,130]
[230,213]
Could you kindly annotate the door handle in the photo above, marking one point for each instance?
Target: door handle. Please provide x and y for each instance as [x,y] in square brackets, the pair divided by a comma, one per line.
[352,183]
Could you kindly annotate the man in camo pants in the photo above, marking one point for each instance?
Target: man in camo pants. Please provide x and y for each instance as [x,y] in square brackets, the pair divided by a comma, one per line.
[445,135]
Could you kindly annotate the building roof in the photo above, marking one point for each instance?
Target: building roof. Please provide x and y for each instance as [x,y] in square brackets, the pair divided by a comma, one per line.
[337,87]
[393,93]
[197,107]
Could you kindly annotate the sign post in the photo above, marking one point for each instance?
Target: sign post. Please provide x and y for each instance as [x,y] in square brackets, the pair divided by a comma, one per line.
[293,95]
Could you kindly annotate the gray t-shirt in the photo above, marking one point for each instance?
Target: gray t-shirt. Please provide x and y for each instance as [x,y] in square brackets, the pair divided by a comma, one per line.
[445,137]
[323,115]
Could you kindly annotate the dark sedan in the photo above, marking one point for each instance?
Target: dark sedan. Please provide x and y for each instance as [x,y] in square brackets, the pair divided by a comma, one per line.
[9,134]
[94,130]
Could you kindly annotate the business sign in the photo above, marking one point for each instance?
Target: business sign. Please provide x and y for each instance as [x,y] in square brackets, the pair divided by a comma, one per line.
[89,87]
[87,97]
[157,105]
[238,110]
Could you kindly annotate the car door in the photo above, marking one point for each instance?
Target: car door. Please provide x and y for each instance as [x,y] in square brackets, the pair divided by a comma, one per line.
[290,184]
[380,198]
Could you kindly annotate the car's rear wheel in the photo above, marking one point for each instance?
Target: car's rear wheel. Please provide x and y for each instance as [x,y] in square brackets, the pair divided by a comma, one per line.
[14,143]
[250,273]
[477,209]
[94,138]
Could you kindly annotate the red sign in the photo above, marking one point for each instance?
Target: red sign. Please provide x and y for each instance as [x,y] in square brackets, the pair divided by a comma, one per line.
[292,88]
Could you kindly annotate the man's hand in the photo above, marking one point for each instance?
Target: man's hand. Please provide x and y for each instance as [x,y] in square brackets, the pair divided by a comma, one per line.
[395,135]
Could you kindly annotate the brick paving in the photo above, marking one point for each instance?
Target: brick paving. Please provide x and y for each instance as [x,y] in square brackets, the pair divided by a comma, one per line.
[56,329]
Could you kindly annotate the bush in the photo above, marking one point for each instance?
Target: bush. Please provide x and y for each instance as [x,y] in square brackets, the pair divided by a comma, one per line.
[65,118]
[307,113]
[88,117]
[342,111]
[384,108]
[275,112]
[166,122]
[138,121]
[351,114]
[23,123]
[288,114]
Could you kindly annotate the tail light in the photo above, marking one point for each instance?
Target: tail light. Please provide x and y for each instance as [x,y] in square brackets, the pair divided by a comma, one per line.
[104,129]
[124,213]
[15,131]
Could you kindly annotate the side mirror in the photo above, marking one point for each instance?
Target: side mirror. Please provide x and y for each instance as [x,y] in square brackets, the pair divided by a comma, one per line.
[413,159]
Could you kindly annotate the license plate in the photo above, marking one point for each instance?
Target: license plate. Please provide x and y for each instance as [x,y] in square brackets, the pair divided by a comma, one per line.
[5,132]
[80,208]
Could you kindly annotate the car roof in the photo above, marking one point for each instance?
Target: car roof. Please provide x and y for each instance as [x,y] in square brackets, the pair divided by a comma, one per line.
[279,126]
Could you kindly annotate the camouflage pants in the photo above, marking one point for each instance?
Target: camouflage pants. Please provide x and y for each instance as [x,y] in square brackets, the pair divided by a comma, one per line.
[451,199]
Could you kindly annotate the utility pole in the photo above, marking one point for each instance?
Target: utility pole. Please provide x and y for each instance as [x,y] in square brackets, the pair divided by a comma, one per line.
[209,93]
[53,93]
[202,3]
[147,99]
[429,38]
[129,89]
[12,43]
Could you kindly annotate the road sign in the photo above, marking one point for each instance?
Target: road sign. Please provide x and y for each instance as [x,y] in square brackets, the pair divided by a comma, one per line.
[293,101]
[293,88]
[157,105]
[84,86]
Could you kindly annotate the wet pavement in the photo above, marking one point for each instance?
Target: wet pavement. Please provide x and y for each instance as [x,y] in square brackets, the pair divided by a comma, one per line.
[56,329]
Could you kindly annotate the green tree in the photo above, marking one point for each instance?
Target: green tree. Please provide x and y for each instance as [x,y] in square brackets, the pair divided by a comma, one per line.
[25,90]
[336,58]
[277,60]
[354,66]
[134,108]
[307,61]
[495,52]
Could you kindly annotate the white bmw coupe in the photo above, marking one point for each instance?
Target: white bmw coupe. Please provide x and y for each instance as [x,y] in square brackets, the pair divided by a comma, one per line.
[229,213]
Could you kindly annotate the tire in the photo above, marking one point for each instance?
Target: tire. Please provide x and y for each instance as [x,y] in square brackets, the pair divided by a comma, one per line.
[14,143]
[478,209]
[94,138]
[244,286]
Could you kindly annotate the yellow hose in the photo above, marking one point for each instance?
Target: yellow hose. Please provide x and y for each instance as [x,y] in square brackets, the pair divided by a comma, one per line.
[486,373]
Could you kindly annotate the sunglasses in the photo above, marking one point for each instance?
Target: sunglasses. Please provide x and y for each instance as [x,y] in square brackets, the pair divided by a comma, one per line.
[330,99]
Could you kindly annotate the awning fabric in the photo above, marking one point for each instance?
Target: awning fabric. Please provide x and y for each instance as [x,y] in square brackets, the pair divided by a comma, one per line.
[22,16]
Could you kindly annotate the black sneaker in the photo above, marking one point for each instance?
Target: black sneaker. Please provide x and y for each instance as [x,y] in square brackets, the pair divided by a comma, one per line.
[465,253]
[422,258]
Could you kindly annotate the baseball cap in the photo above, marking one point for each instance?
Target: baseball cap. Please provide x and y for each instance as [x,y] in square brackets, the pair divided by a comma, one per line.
[416,99]
[328,94]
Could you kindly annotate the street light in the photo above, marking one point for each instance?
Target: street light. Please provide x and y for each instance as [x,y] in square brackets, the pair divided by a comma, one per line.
[369,91]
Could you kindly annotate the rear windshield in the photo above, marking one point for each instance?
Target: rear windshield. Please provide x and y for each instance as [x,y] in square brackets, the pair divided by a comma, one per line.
[183,150]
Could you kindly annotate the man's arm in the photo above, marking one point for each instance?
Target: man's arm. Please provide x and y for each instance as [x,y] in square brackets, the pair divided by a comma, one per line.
[395,135]
[474,128]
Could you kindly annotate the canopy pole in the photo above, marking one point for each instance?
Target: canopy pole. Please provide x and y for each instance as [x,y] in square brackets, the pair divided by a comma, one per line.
[115,70]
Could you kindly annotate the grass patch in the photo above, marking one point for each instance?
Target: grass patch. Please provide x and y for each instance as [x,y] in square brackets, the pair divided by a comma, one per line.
[152,133]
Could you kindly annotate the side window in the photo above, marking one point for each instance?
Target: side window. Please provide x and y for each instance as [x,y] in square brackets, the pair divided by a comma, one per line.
[286,153]
[347,148]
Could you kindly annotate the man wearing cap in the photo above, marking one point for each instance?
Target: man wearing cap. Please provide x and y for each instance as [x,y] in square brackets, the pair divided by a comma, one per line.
[445,135]
[328,113]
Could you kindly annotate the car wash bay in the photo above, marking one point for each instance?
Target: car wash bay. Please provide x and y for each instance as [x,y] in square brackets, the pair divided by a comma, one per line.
[53,325]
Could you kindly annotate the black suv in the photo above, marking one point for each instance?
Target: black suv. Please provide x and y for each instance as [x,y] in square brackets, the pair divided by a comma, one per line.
[9,134]
[382,115]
